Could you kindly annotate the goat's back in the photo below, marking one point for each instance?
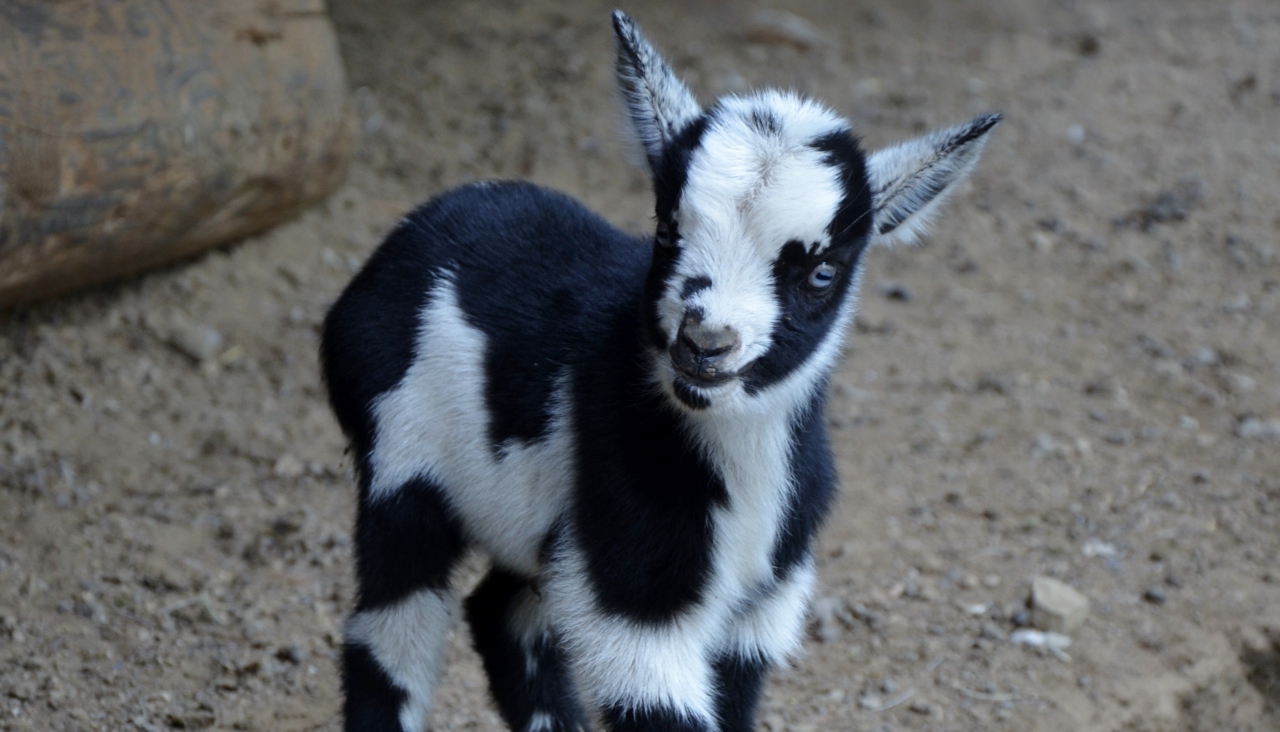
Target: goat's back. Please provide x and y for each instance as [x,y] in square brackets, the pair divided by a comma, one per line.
[542,277]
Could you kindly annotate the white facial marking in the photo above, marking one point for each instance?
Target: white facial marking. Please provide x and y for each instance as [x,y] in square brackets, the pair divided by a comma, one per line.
[434,424]
[749,191]
[407,641]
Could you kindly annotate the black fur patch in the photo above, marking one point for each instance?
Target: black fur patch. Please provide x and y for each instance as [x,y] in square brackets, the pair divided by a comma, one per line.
[689,396]
[373,700]
[405,542]
[814,481]
[693,286]
[644,494]
[739,682]
[518,694]
[673,169]
[620,719]
[852,222]
[369,333]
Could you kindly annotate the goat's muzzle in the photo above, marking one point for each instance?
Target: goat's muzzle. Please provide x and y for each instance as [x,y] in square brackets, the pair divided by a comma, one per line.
[699,352]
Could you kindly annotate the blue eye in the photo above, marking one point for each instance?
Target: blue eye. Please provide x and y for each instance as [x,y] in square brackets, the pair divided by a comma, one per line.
[822,276]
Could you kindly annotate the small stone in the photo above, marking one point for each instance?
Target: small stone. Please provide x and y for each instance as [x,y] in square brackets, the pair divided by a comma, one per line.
[993,632]
[288,466]
[1041,242]
[195,341]
[1057,606]
[1254,640]
[290,654]
[1076,135]
[1208,357]
[1252,428]
[1155,596]
[921,707]
[896,291]
[870,702]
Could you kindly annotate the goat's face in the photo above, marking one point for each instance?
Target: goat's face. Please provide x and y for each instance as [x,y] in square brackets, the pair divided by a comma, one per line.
[763,211]
[765,205]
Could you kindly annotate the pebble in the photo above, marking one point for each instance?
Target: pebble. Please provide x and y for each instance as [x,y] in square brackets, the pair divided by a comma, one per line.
[993,632]
[1252,428]
[921,707]
[1053,643]
[288,466]
[1057,606]
[195,341]
[1041,242]
[896,291]
[290,654]
[1155,596]
[1076,135]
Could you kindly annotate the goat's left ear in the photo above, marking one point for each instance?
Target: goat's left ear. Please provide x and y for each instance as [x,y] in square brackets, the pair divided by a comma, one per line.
[659,104]
[910,181]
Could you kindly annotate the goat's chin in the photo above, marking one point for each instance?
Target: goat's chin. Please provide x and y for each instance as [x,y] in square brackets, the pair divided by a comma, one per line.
[700,396]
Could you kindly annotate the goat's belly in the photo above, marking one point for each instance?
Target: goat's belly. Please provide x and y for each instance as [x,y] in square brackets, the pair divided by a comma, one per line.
[435,424]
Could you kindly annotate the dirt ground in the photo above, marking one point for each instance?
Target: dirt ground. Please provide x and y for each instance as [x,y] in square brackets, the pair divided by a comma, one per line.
[1077,375]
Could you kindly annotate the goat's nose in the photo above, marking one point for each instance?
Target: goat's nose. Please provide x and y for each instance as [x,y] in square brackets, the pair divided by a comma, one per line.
[709,345]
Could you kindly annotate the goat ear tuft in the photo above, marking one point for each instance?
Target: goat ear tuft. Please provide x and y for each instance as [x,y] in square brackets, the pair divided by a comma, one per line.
[911,180]
[658,102]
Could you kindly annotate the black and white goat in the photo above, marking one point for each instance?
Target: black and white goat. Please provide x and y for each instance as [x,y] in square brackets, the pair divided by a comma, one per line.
[631,428]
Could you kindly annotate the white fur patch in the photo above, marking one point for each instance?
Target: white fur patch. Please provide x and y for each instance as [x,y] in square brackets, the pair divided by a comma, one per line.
[773,629]
[619,662]
[407,641]
[434,424]
[752,453]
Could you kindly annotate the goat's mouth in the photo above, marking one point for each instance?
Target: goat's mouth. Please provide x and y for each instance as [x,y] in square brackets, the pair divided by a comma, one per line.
[694,384]
[708,377]
[704,372]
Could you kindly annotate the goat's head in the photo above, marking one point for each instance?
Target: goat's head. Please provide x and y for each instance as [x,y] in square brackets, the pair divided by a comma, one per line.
[765,204]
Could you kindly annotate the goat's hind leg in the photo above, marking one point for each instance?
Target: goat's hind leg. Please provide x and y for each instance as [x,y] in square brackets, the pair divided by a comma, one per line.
[526,668]
[406,545]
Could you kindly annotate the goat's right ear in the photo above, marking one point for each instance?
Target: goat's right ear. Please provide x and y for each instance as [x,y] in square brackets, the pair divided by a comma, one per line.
[659,104]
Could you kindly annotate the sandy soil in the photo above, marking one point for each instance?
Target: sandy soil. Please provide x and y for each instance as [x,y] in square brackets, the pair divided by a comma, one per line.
[1077,376]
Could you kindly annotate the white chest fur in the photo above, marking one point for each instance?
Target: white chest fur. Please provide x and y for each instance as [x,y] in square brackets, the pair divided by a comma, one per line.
[752,453]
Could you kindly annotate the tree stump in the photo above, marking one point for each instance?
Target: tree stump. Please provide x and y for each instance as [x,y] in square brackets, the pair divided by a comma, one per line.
[137,132]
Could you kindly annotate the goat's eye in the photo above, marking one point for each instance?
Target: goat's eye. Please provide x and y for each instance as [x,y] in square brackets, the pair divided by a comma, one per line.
[665,236]
[822,276]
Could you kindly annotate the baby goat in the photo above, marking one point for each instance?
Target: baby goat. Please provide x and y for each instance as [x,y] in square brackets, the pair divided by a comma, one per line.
[630,428]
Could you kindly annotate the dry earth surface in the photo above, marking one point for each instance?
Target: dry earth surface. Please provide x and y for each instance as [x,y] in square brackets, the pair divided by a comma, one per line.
[1077,375]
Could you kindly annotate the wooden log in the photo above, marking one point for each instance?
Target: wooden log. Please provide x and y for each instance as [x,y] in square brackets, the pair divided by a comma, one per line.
[137,132]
